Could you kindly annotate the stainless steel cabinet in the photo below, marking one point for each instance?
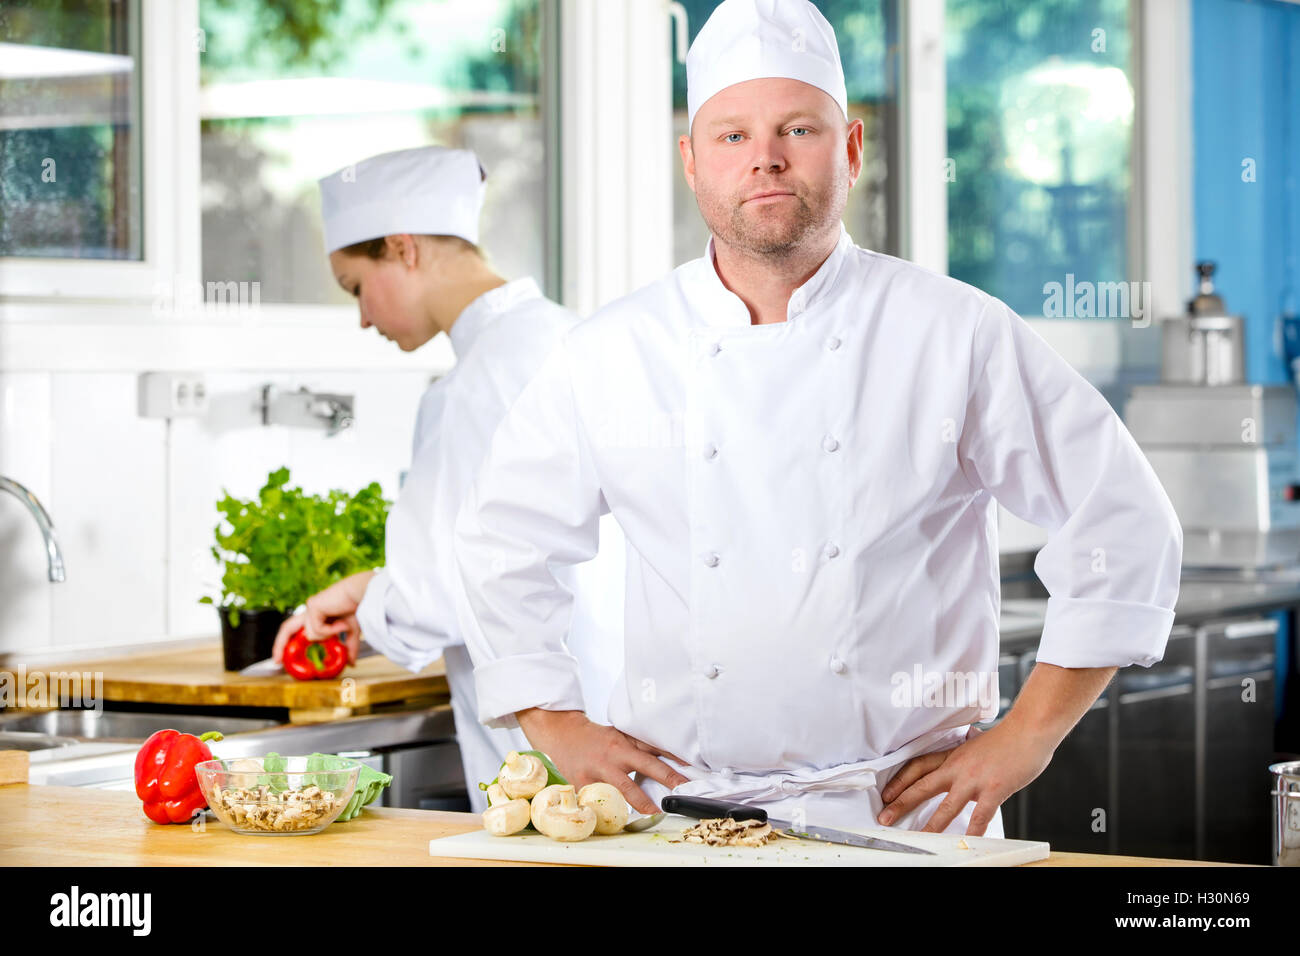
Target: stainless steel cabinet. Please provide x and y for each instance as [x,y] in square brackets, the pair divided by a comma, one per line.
[1236,704]
[1069,804]
[1156,754]
[1171,761]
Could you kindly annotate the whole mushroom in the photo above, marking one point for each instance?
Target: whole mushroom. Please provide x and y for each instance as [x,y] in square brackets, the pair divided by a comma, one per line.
[556,812]
[522,777]
[609,804]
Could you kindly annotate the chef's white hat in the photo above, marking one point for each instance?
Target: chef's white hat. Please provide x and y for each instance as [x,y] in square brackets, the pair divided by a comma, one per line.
[430,190]
[751,39]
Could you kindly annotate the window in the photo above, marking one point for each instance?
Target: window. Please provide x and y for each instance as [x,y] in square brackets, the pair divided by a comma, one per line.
[1040,133]
[863,29]
[292,91]
[70,144]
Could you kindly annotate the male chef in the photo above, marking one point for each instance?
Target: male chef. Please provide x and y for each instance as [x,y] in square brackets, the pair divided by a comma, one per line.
[805,442]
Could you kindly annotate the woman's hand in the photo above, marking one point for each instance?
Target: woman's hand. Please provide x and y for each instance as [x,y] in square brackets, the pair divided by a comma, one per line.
[328,613]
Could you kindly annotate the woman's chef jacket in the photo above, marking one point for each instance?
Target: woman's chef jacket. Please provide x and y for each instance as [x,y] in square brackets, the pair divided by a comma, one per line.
[810,514]
[409,611]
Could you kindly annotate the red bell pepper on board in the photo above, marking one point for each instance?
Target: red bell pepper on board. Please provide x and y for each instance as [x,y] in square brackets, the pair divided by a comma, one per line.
[314,660]
[164,775]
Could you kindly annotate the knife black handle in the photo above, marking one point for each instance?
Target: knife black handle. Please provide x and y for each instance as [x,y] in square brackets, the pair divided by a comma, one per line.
[702,808]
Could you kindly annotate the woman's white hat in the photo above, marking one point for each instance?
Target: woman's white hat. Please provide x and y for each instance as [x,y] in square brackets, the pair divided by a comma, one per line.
[430,190]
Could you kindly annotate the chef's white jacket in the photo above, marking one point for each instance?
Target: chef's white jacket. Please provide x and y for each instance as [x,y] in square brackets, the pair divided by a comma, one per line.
[809,508]
[410,609]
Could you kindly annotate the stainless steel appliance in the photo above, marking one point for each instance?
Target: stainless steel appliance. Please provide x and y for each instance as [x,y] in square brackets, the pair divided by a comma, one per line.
[1224,451]
[1207,346]
[1286,813]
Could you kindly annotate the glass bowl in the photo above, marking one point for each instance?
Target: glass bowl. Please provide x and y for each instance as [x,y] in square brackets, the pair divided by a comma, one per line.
[277,796]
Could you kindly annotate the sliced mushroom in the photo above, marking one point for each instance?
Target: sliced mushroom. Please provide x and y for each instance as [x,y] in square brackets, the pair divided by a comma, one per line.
[503,819]
[556,812]
[523,776]
[608,802]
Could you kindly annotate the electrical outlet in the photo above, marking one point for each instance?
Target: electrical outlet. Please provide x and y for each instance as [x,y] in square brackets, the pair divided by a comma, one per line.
[172,394]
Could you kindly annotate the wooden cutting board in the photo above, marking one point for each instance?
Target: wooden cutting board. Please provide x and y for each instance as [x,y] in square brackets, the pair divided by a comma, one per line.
[14,766]
[655,848]
[195,676]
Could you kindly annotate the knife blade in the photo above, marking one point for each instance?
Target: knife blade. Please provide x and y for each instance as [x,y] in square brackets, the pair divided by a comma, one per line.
[702,808]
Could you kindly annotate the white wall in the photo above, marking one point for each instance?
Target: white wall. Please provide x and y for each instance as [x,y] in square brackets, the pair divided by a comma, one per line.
[133,499]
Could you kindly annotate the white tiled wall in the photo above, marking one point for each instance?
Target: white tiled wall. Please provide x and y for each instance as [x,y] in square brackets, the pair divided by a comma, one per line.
[133,499]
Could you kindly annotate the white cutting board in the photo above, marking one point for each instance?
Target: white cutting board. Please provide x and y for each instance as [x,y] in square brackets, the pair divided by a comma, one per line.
[652,848]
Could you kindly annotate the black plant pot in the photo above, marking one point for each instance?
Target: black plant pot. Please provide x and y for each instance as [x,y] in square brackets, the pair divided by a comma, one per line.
[252,639]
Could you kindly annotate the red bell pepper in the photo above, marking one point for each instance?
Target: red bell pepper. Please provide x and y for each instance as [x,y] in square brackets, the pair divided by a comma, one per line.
[164,775]
[314,660]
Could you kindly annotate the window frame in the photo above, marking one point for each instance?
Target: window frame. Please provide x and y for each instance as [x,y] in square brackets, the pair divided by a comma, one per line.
[168,84]
[1160,71]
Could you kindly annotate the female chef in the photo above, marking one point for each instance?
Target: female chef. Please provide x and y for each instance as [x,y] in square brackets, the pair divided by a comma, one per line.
[401,230]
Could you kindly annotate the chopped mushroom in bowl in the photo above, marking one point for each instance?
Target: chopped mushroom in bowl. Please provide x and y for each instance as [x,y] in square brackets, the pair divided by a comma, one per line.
[275,795]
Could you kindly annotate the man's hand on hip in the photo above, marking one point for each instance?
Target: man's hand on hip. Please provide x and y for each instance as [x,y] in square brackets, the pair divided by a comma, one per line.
[586,752]
[988,768]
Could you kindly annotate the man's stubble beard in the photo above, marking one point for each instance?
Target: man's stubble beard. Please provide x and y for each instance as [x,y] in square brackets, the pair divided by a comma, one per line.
[763,232]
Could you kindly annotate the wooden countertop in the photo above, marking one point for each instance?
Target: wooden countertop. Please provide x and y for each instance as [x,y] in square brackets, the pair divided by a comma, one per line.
[195,676]
[76,826]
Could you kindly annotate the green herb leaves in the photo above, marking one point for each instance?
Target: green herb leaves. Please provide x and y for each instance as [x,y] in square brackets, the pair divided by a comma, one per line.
[286,545]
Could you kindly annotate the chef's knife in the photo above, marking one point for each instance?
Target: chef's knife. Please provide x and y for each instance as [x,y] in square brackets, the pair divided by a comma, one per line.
[702,808]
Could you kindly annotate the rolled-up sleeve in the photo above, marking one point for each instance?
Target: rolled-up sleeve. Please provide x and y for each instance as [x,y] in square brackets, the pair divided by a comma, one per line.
[534,506]
[389,625]
[1048,447]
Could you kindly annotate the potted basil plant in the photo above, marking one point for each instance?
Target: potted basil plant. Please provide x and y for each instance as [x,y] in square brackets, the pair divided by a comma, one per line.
[280,548]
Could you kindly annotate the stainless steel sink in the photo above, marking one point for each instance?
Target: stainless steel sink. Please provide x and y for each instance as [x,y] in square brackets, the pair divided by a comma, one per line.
[29,741]
[417,747]
[115,725]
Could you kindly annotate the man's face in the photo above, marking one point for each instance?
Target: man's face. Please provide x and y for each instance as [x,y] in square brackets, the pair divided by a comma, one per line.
[771,136]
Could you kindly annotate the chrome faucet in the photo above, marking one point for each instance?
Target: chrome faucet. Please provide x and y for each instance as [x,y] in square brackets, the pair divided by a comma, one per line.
[306,409]
[43,520]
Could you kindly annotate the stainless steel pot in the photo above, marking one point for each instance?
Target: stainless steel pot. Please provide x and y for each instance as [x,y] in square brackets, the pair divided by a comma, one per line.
[1207,346]
[1286,813]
